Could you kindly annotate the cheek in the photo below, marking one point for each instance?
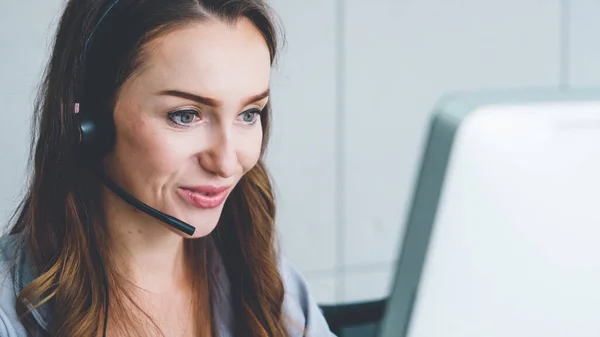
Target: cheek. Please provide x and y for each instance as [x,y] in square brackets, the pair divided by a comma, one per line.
[145,150]
[249,149]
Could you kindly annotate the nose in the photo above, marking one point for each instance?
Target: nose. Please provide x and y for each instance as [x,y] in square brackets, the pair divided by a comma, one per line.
[220,158]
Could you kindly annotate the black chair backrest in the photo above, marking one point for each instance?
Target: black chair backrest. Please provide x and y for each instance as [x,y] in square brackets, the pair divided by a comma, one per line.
[355,319]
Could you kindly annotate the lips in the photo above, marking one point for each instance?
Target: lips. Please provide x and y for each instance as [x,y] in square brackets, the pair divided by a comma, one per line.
[205,197]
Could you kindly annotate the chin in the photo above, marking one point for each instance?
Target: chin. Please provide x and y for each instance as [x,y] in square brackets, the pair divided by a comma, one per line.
[205,221]
[203,229]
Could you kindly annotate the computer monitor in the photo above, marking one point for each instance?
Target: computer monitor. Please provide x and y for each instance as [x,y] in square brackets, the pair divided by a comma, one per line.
[503,238]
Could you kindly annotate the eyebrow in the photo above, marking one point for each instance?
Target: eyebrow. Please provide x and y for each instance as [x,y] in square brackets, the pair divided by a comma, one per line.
[211,101]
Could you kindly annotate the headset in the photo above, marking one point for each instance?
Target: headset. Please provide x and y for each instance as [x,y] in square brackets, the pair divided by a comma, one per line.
[96,141]
[96,137]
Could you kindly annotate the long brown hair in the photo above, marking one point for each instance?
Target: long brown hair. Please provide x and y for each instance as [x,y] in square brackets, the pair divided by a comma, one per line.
[60,218]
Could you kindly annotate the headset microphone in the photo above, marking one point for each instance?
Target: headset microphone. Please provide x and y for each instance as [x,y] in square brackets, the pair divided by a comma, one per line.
[171,221]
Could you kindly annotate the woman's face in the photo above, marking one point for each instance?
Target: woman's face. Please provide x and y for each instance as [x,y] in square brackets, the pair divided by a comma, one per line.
[188,122]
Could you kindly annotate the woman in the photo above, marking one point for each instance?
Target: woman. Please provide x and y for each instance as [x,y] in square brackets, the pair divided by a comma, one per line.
[150,212]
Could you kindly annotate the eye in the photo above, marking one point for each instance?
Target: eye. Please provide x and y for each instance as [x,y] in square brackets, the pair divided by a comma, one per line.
[184,117]
[250,116]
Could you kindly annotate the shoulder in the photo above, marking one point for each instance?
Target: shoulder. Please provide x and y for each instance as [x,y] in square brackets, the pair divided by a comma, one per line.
[10,325]
[303,315]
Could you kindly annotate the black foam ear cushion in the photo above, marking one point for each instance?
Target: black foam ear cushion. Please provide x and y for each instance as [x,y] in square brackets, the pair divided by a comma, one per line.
[96,137]
[88,132]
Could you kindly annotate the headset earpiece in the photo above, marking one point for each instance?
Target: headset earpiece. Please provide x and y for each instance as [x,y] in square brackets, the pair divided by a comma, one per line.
[96,138]
[88,132]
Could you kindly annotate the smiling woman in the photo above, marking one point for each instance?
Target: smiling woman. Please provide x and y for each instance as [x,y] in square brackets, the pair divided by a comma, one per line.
[173,99]
[187,123]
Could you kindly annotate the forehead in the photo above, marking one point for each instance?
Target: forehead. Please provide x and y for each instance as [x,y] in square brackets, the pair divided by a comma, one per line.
[217,59]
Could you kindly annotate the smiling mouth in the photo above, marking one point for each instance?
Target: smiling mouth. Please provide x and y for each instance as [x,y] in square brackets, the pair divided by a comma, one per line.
[204,197]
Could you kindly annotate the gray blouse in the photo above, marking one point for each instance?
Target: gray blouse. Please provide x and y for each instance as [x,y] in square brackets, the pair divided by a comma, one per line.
[299,307]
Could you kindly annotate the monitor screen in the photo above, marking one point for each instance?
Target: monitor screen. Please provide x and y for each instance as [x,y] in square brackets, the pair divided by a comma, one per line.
[503,237]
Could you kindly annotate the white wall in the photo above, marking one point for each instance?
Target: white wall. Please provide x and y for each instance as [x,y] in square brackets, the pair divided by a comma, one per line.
[583,53]
[24,44]
[401,56]
[352,95]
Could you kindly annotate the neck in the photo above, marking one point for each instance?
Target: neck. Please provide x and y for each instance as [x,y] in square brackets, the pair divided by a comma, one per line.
[144,250]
